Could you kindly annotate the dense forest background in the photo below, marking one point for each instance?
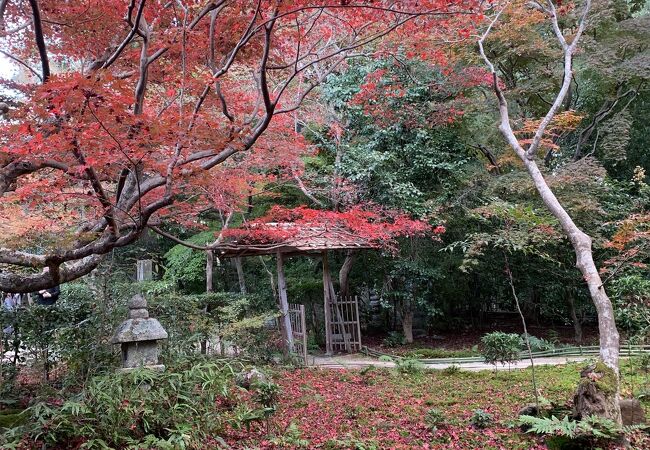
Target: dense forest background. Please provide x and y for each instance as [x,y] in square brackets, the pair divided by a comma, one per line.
[418,134]
[405,134]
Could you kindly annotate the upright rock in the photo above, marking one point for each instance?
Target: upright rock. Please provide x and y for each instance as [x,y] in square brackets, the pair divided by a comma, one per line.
[597,393]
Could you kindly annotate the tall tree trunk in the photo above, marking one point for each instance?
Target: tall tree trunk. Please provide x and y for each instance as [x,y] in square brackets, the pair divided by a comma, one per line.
[581,242]
[407,325]
[240,274]
[209,269]
[607,404]
[344,273]
[577,324]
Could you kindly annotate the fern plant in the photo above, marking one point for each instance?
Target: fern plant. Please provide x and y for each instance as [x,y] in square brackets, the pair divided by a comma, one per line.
[567,434]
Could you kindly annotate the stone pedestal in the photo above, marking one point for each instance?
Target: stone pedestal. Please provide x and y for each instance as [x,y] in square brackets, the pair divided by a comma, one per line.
[138,337]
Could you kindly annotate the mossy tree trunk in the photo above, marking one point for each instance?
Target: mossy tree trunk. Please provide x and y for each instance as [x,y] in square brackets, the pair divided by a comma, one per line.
[597,393]
[406,315]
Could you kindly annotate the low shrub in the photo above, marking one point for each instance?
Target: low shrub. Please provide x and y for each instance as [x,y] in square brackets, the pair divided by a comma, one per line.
[410,366]
[291,438]
[434,418]
[481,419]
[451,370]
[498,347]
[537,344]
[394,339]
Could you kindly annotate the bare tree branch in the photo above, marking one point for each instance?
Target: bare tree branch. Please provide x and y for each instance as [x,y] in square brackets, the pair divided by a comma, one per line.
[40,40]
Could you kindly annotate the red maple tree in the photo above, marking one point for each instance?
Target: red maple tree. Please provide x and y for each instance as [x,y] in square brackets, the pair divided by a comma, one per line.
[130,111]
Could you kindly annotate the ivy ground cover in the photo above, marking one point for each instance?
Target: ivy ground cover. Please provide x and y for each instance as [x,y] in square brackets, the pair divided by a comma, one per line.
[385,409]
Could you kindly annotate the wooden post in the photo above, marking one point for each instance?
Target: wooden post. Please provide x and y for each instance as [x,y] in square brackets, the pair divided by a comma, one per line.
[303,327]
[356,308]
[144,270]
[326,305]
[240,275]
[284,304]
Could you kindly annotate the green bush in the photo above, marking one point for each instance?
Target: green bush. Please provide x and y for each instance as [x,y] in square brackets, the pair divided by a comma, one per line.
[178,408]
[631,297]
[537,344]
[481,419]
[409,366]
[186,266]
[75,331]
[501,347]
[434,418]
[291,438]
[451,370]
[394,339]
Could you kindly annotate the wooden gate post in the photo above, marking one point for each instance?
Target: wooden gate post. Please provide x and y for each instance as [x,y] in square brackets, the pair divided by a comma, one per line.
[326,304]
[284,304]
[303,329]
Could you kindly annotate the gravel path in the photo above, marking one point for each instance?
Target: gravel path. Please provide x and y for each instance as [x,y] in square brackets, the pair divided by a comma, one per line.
[359,361]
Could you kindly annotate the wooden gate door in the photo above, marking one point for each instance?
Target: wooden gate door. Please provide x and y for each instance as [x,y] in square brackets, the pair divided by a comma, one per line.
[344,326]
[299,331]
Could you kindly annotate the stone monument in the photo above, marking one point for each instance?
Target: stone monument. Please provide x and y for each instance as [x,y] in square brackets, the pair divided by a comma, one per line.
[139,336]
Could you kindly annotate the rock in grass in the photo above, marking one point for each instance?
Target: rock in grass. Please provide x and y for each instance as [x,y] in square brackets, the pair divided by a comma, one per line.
[632,412]
[596,394]
[250,377]
[529,410]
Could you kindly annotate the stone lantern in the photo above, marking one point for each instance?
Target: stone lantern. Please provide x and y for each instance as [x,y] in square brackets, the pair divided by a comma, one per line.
[139,336]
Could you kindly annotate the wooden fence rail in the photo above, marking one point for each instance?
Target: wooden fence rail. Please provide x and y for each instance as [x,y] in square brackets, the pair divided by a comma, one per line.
[589,350]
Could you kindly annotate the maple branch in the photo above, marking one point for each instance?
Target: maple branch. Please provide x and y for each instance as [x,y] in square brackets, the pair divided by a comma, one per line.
[352,46]
[173,238]
[15,169]
[222,99]
[341,5]
[22,63]
[188,244]
[304,190]
[211,6]
[603,113]
[98,188]
[141,86]
[223,155]
[213,21]
[18,258]
[40,40]
[129,37]
[568,49]
[26,283]
[269,105]
[3,8]
[246,36]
